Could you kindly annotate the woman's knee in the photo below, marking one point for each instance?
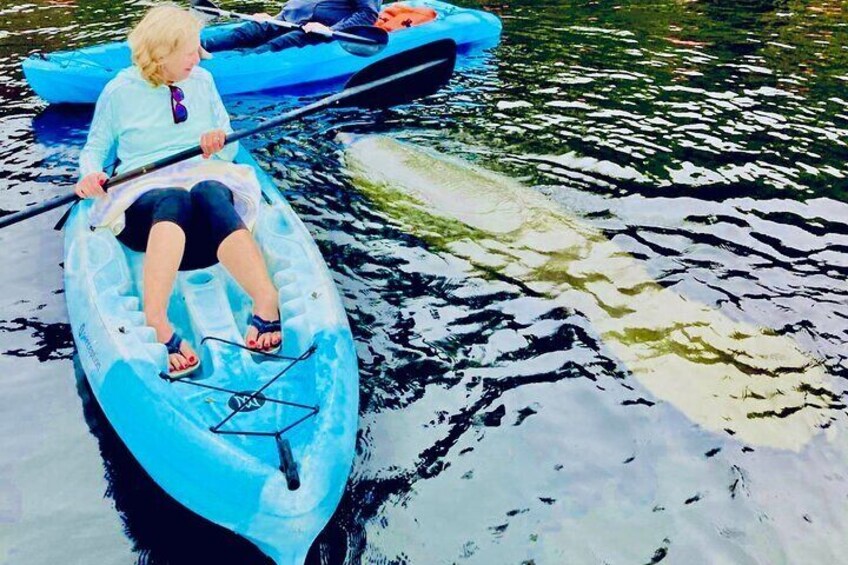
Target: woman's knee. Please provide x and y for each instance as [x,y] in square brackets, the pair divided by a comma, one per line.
[172,205]
[211,195]
[213,201]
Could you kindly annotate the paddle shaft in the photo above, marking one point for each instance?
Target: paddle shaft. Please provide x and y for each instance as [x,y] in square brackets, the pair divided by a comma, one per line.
[282,23]
[235,136]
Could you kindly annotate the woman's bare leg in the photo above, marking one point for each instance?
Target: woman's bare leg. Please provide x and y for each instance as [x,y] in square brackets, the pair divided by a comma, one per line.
[165,246]
[241,257]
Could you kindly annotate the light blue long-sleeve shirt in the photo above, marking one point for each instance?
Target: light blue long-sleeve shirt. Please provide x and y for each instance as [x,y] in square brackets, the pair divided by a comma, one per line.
[133,121]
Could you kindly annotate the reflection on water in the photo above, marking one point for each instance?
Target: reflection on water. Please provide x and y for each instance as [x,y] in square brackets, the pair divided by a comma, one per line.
[697,149]
[175,531]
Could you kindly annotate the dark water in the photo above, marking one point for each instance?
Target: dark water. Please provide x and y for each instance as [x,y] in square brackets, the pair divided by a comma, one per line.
[708,139]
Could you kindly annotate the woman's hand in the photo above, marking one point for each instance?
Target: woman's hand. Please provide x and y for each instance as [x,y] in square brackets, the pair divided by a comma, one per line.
[91,186]
[212,141]
[315,27]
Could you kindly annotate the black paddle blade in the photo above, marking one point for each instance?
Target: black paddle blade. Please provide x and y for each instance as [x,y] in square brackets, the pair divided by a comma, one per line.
[409,75]
[363,41]
[197,8]
[200,4]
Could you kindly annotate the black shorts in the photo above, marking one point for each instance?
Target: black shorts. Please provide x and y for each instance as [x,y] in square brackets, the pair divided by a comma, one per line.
[205,213]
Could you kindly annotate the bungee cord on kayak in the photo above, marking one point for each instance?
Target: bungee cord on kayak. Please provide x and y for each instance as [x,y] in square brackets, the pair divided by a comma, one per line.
[244,400]
[75,59]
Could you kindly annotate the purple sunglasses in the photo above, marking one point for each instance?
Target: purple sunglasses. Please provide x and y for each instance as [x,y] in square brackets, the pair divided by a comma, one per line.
[178,111]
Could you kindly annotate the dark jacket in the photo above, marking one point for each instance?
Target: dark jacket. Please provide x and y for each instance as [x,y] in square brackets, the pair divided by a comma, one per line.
[337,14]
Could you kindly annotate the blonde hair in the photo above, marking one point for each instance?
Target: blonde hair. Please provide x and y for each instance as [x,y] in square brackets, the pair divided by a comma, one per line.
[161,31]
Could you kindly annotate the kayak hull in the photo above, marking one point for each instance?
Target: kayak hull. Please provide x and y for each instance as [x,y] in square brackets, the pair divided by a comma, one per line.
[78,77]
[231,479]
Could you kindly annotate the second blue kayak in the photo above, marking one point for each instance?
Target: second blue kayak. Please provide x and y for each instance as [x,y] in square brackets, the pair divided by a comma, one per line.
[78,76]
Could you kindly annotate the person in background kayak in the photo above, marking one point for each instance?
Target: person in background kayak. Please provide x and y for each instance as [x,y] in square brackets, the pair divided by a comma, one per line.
[319,18]
[165,103]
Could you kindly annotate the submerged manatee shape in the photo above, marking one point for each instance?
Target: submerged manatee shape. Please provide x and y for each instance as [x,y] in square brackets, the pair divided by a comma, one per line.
[727,376]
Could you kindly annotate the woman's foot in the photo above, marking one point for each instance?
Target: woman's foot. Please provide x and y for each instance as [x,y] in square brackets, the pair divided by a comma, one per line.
[263,329]
[181,357]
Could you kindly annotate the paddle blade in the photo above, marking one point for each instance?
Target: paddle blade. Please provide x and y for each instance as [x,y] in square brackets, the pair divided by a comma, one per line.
[200,4]
[375,40]
[409,75]
[197,8]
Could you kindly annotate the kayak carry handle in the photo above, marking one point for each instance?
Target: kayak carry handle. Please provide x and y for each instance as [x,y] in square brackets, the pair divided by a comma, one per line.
[287,463]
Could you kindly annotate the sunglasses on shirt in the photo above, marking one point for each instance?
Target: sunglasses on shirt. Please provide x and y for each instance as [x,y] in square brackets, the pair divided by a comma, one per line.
[178,111]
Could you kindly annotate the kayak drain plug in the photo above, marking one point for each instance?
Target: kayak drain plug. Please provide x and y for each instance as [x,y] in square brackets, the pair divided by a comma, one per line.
[287,464]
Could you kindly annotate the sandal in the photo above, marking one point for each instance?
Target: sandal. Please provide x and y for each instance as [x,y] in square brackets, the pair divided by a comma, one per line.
[264,326]
[173,346]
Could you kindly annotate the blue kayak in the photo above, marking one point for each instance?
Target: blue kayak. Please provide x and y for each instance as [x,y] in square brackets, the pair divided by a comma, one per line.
[79,76]
[263,446]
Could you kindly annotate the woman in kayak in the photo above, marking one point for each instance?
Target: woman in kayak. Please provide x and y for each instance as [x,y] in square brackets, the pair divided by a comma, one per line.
[193,214]
[318,19]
